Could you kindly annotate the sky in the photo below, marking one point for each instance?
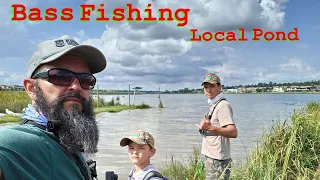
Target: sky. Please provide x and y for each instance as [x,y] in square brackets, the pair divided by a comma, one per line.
[160,54]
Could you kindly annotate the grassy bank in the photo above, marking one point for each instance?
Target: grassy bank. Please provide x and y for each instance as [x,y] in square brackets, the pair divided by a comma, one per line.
[13,100]
[190,169]
[16,101]
[8,119]
[290,150]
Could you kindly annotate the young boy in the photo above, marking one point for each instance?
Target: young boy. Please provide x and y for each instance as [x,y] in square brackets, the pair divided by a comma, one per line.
[141,148]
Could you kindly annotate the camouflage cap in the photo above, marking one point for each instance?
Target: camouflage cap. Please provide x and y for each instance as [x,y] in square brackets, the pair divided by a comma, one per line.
[211,78]
[139,137]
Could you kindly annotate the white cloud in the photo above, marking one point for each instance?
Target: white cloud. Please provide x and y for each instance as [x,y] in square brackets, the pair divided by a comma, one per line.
[6,13]
[295,65]
[1,73]
[272,14]
[161,53]
[81,33]
[203,15]
[295,69]
[14,79]
[138,54]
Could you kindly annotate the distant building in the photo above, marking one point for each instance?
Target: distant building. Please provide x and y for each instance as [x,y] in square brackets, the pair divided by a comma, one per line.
[279,89]
[11,88]
[299,88]
[231,90]
[248,90]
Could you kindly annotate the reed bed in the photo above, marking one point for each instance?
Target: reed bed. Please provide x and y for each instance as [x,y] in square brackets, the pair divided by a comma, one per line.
[289,150]
[190,169]
[13,100]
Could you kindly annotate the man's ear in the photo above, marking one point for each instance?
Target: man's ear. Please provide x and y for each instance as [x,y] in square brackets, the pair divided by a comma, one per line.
[28,84]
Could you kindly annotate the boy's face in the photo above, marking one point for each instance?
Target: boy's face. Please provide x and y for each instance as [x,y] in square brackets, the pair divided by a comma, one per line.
[140,154]
[211,90]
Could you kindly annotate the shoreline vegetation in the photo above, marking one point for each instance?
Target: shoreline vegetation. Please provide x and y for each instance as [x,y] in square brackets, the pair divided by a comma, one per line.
[102,92]
[289,150]
[17,100]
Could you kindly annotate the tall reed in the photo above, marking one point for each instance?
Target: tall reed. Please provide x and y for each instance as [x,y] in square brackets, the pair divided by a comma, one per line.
[289,151]
[190,169]
[13,100]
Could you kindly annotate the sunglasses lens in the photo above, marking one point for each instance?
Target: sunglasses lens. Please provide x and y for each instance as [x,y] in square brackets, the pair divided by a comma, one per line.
[60,77]
[64,78]
[87,81]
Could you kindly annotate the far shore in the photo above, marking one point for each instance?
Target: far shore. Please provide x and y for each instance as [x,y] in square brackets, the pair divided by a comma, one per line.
[141,93]
[111,109]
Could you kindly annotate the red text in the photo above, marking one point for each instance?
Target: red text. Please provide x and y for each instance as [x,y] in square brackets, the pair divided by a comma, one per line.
[35,14]
[218,36]
[270,36]
[129,13]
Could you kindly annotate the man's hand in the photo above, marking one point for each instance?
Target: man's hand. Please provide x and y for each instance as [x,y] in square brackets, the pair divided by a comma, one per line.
[205,124]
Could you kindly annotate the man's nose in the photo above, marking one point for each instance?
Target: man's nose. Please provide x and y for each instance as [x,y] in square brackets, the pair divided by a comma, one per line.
[75,85]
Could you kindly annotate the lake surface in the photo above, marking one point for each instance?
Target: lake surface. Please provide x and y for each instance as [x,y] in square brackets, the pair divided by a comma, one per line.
[174,126]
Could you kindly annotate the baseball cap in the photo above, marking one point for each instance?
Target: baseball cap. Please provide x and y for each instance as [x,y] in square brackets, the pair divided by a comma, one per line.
[51,50]
[139,137]
[211,78]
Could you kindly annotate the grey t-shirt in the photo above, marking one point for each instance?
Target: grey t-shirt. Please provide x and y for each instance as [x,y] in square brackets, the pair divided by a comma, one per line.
[141,174]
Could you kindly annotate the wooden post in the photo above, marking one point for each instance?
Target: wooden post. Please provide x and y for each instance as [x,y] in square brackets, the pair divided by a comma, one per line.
[97,92]
[134,95]
[129,95]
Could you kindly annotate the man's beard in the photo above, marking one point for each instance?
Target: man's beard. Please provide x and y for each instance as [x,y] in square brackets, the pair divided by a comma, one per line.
[78,131]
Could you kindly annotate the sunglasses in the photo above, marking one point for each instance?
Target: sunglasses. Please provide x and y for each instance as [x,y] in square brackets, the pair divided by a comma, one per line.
[63,77]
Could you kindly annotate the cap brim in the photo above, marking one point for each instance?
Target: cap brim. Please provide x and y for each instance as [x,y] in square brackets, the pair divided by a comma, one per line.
[93,56]
[211,82]
[125,141]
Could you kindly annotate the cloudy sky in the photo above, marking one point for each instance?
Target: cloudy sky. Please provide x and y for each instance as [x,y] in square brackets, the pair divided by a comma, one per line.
[159,54]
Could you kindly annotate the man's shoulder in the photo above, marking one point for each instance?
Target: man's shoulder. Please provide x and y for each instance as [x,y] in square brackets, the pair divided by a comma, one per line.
[18,130]
[20,135]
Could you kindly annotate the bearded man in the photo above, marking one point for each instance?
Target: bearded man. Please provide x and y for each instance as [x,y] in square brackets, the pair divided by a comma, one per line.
[59,130]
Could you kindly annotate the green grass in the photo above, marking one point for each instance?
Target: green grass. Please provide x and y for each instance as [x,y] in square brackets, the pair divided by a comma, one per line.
[119,108]
[190,169]
[114,106]
[9,118]
[13,100]
[289,150]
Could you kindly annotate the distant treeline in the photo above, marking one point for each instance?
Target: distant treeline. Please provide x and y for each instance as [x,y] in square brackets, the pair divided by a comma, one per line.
[271,84]
[199,90]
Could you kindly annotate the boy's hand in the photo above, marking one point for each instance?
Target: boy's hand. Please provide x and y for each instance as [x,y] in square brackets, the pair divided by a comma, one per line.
[205,124]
